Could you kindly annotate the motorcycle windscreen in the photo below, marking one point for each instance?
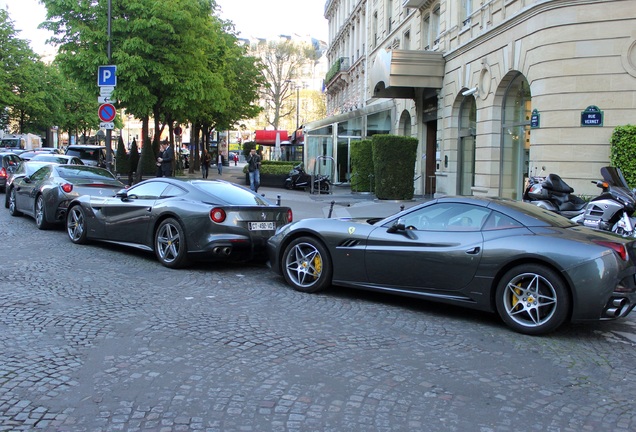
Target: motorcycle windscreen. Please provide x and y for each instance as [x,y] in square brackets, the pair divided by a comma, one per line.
[614,176]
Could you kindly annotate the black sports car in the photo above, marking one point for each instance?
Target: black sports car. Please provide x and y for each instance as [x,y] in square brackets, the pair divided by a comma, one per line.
[46,193]
[180,219]
[533,267]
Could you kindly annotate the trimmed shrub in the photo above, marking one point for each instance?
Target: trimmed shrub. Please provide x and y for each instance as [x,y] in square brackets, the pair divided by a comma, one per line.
[361,166]
[623,152]
[123,165]
[394,166]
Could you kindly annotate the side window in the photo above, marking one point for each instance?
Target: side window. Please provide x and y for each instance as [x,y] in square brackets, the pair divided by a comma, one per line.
[498,221]
[41,173]
[172,191]
[151,190]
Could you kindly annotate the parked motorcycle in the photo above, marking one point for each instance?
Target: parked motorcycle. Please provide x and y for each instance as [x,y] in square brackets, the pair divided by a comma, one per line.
[613,209]
[299,179]
[554,194]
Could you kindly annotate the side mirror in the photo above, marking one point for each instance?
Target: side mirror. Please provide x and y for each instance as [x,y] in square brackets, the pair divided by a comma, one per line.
[122,194]
[396,227]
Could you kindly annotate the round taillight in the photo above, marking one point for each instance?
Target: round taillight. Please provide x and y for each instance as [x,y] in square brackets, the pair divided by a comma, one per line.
[3,172]
[67,187]
[217,215]
[290,216]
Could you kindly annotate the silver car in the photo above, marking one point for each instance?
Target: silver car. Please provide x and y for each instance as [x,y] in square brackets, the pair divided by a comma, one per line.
[46,194]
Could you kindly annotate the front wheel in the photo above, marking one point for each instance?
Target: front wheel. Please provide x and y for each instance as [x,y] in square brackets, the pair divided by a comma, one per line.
[170,244]
[288,184]
[324,186]
[76,225]
[13,209]
[40,214]
[532,299]
[307,265]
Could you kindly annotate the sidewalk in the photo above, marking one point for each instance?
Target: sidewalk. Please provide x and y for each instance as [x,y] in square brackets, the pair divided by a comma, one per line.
[341,203]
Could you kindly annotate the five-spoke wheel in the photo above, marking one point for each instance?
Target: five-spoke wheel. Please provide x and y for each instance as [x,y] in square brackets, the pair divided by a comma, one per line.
[170,244]
[76,224]
[532,299]
[307,265]
[40,214]
[13,209]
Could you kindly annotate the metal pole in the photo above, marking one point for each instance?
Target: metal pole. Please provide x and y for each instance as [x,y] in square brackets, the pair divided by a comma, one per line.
[109,149]
[297,107]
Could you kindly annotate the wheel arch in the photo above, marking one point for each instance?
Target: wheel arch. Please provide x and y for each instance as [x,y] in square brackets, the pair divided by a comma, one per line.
[525,261]
[158,222]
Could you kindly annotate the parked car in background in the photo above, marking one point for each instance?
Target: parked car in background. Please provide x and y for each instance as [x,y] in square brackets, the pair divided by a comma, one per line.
[57,158]
[48,150]
[27,155]
[536,269]
[180,220]
[92,155]
[9,162]
[45,194]
[25,168]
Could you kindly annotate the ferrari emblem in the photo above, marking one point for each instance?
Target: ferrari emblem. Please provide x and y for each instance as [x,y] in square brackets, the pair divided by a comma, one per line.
[352,230]
[263,216]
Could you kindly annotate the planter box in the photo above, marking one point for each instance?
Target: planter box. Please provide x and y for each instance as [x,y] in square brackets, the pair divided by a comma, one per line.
[269,180]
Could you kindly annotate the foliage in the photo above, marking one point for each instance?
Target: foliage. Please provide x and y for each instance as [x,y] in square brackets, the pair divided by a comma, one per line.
[281,65]
[148,159]
[133,157]
[623,151]
[274,167]
[394,166]
[361,166]
[123,164]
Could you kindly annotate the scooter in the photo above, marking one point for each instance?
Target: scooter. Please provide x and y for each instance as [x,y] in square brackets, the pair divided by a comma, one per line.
[613,209]
[553,194]
[299,179]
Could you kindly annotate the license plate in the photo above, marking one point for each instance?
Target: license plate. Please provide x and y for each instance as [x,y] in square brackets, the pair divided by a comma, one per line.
[262,226]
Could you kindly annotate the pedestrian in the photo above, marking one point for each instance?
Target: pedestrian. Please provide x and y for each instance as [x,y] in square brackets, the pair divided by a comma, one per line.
[235,157]
[165,159]
[253,168]
[219,163]
[162,148]
[205,163]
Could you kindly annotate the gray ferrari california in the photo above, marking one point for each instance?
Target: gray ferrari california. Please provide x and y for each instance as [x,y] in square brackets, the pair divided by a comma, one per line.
[180,220]
[534,268]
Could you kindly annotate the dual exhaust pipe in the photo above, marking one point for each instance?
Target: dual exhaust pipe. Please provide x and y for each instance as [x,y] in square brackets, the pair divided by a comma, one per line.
[222,250]
[617,307]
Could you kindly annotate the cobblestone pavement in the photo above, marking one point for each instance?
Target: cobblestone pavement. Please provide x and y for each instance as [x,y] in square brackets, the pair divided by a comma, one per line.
[103,338]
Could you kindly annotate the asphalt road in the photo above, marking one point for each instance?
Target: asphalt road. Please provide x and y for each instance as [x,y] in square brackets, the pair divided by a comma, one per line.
[103,338]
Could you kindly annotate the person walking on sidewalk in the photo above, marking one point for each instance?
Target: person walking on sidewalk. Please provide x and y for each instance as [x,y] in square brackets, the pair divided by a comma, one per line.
[205,163]
[219,163]
[253,168]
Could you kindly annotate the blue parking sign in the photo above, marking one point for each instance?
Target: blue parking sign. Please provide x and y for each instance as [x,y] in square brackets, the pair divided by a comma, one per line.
[107,76]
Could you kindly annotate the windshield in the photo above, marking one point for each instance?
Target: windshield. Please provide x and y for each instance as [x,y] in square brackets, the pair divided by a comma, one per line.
[90,154]
[11,143]
[614,176]
[231,194]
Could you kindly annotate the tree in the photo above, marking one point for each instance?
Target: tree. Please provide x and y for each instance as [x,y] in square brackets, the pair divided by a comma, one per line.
[282,63]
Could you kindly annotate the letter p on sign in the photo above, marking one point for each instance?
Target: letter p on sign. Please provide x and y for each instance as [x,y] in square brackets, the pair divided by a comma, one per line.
[107,76]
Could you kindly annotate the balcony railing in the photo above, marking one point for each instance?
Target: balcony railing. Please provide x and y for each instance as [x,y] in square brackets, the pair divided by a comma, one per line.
[341,64]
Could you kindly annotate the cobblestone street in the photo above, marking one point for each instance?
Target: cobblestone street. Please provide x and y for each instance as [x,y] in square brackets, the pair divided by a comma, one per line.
[103,338]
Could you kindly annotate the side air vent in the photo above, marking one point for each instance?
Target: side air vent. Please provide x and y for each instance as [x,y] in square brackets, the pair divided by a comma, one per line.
[349,243]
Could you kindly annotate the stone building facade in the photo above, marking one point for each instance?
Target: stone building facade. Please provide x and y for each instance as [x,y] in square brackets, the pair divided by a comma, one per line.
[493,90]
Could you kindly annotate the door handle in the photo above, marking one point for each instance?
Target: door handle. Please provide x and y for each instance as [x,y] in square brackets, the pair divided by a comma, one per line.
[473,251]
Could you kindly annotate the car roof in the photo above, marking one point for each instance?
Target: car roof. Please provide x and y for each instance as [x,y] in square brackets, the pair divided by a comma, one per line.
[90,146]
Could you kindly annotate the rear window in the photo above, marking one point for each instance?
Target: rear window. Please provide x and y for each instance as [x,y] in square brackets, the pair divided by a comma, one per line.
[231,194]
[536,212]
[89,154]
[79,171]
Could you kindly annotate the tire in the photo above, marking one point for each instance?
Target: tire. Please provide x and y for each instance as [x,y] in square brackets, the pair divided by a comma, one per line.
[76,225]
[532,299]
[6,198]
[288,185]
[324,186]
[40,214]
[13,210]
[170,244]
[307,265]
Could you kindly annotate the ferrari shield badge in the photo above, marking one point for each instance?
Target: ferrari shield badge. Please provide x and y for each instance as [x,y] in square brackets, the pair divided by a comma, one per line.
[352,230]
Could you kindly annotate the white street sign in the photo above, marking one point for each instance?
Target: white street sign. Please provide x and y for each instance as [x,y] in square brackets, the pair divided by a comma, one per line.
[104,99]
[107,125]
[106,91]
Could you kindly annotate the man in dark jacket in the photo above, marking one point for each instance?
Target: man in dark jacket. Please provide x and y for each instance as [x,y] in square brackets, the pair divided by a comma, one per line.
[253,168]
[166,155]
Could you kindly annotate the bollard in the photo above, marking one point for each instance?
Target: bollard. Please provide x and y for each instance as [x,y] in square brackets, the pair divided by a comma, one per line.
[402,207]
[277,200]
[331,209]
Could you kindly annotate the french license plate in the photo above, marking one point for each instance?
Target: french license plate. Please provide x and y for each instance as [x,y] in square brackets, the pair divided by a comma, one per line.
[262,226]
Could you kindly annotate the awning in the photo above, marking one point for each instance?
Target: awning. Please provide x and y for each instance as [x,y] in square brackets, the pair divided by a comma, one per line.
[268,137]
[395,74]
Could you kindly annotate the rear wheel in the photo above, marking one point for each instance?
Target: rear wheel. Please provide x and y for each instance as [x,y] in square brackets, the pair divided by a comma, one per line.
[324,186]
[13,209]
[532,299]
[40,214]
[288,184]
[76,225]
[170,244]
[307,265]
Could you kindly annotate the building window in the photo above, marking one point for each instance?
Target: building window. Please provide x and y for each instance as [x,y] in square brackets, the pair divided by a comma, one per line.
[435,26]
[426,32]
[375,29]
[465,11]
[389,14]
